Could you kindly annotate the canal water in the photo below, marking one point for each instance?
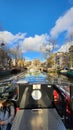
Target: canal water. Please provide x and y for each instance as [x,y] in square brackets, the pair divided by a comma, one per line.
[37,76]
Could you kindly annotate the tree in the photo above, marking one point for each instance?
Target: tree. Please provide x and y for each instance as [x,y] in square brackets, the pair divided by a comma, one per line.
[50,61]
[15,53]
[36,62]
[49,48]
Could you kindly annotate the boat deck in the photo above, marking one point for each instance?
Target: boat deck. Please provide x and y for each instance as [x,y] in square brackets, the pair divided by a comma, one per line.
[37,119]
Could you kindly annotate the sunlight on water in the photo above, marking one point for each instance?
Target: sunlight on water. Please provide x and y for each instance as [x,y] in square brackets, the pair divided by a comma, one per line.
[36,77]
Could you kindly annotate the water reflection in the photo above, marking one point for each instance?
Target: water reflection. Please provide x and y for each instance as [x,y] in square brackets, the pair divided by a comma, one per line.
[36,77]
[60,78]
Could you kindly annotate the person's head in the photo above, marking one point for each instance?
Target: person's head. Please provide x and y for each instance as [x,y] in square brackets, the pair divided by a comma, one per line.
[1,106]
[2,102]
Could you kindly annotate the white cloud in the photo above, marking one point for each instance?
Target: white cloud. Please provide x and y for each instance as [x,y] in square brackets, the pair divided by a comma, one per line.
[27,58]
[65,47]
[8,37]
[38,43]
[64,23]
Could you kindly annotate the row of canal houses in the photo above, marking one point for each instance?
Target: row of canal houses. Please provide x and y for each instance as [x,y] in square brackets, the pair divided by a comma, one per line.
[5,60]
[64,60]
[60,59]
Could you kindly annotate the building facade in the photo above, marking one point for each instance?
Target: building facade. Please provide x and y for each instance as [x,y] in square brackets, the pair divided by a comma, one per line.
[71,56]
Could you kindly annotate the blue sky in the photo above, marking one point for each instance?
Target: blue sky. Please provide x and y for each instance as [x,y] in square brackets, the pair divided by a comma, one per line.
[32,23]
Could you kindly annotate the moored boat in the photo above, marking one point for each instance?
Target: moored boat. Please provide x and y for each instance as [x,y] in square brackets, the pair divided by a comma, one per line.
[70,74]
[5,72]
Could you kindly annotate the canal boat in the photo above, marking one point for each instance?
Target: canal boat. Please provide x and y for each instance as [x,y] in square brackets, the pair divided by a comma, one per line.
[53,97]
[64,72]
[36,108]
[5,72]
[9,72]
[41,104]
[70,74]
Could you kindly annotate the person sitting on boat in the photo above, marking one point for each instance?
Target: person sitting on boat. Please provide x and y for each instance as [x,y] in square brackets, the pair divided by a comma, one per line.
[7,115]
[1,114]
